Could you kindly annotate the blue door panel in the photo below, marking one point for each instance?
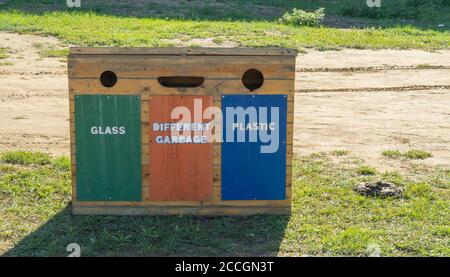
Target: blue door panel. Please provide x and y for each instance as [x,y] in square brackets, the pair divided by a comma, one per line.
[247,173]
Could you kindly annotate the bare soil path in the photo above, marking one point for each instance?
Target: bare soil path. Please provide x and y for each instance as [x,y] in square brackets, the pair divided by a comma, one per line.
[33,96]
[359,100]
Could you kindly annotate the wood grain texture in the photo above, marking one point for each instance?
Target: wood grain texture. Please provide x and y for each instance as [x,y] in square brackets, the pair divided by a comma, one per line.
[209,87]
[138,67]
[242,203]
[179,210]
[290,146]
[72,147]
[183,51]
[145,150]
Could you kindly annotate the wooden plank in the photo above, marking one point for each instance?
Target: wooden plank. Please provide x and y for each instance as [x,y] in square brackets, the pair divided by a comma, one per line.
[246,203]
[289,153]
[290,107]
[145,132]
[217,157]
[215,103]
[144,111]
[217,193]
[210,87]
[145,180]
[288,174]
[145,159]
[290,125]
[142,67]
[74,189]
[145,194]
[289,131]
[73,147]
[217,160]
[217,173]
[71,106]
[288,194]
[145,148]
[70,82]
[288,182]
[146,173]
[178,210]
[183,51]
[72,150]
[72,127]
[289,139]
[217,183]
[243,203]
[289,148]
[137,203]
[288,161]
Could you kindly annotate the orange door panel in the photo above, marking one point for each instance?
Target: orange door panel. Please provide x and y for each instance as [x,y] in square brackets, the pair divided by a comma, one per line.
[180,156]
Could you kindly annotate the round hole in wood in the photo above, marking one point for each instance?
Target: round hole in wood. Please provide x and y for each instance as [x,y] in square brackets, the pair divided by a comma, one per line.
[253,79]
[108,79]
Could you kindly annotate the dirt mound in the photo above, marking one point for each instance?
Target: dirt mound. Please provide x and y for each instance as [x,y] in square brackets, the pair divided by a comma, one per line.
[379,189]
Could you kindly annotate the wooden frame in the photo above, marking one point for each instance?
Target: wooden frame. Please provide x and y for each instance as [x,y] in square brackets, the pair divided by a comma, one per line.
[137,70]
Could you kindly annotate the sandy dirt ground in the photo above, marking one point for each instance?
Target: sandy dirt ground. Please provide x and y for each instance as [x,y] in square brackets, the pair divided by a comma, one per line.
[363,101]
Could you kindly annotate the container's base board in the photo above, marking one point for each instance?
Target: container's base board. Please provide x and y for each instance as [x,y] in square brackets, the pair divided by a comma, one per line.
[180,210]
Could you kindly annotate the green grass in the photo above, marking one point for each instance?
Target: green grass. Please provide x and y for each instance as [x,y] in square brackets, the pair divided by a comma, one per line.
[249,10]
[340,153]
[418,154]
[413,154]
[4,53]
[49,51]
[328,218]
[25,158]
[53,53]
[366,170]
[392,154]
[300,17]
[101,23]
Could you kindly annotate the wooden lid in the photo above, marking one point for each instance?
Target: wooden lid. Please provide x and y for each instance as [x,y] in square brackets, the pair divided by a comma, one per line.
[183,51]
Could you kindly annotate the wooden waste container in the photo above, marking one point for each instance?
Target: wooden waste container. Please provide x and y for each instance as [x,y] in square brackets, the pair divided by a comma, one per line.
[165,131]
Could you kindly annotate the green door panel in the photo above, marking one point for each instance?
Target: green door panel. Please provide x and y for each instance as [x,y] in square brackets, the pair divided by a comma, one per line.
[108,147]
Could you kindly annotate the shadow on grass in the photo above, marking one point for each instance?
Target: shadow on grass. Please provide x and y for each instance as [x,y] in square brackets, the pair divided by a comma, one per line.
[155,236]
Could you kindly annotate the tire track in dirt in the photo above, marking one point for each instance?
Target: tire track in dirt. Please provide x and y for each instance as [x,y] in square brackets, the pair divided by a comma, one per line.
[373,80]
[371,68]
[23,73]
[351,58]
[372,89]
